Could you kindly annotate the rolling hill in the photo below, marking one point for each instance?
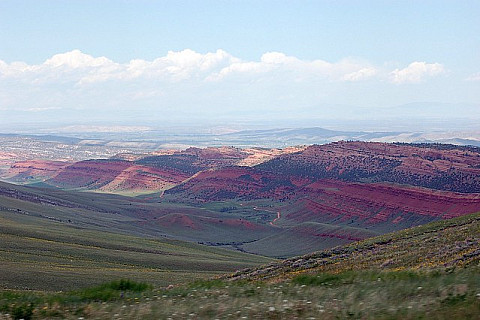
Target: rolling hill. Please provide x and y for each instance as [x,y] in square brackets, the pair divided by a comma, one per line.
[133,216]
[337,193]
[437,245]
[430,271]
[54,241]
[314,197]
[435,166]
[128,173]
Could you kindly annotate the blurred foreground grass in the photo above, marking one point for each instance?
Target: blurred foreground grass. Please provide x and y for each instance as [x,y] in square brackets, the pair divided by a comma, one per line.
[438,294]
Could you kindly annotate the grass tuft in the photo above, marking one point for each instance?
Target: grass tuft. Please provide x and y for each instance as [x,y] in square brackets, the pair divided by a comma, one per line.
[23,311]
[110,291]
[318,280]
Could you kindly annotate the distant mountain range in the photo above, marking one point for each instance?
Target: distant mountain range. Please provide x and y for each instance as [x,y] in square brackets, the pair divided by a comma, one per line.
[147,140]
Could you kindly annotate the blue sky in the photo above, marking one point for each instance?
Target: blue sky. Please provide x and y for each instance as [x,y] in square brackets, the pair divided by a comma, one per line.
[139,61]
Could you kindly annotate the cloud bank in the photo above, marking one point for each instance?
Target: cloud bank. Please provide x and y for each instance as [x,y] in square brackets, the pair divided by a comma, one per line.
[80,68]
[76,84]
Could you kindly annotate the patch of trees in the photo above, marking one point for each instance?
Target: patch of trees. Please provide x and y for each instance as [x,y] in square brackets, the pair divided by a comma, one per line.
[182,162]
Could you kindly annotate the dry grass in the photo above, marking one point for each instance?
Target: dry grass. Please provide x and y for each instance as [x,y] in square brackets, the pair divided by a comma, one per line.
[332,284]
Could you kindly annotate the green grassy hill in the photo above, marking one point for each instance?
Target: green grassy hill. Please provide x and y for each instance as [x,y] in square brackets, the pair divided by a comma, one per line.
[143,217]
[442,244]
[426,272]
[48,255]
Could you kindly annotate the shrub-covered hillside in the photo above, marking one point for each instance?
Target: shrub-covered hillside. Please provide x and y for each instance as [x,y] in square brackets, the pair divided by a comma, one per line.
[427,272]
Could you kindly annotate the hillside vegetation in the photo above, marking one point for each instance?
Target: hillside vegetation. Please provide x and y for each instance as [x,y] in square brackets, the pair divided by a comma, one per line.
[48,255]
[140,217]
[442,244]
[434,166]
[426,272]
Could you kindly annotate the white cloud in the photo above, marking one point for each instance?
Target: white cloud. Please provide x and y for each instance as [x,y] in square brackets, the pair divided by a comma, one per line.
[175,66]
[13,69]
[278,58]
[42,109]
[76,59]
[276,64]
[361,74]
[238,68]
[474,77]
[73,67]
[416,72]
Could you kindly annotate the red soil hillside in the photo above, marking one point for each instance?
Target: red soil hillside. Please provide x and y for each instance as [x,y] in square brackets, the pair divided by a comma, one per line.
[235,183]
[216,157]
[327,200]
[115,175]
[126,172]
[193,160]
[260,155]
[91,174]
[314,185]
[451,168]
[317,197]
[141,178]
[34,169]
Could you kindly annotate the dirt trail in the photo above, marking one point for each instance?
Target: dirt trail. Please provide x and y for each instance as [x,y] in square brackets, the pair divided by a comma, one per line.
[274,220]
[272,223]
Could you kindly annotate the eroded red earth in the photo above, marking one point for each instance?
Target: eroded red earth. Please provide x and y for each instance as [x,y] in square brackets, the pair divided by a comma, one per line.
[35,169]
[442,167]
[355,184]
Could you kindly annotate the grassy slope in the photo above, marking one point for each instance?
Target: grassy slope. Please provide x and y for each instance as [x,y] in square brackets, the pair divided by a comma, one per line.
[427,272]
[222,223]
[137,217]
[454,242]
[41,254]
[303,238]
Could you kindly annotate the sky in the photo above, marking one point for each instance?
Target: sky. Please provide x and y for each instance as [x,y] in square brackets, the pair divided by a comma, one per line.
[225,62]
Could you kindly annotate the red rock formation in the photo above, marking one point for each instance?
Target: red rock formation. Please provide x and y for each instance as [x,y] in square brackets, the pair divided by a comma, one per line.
[91,174]
[378,202]
[34,169]
[141,178]
[327,200]
[432,166]
[234,183]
